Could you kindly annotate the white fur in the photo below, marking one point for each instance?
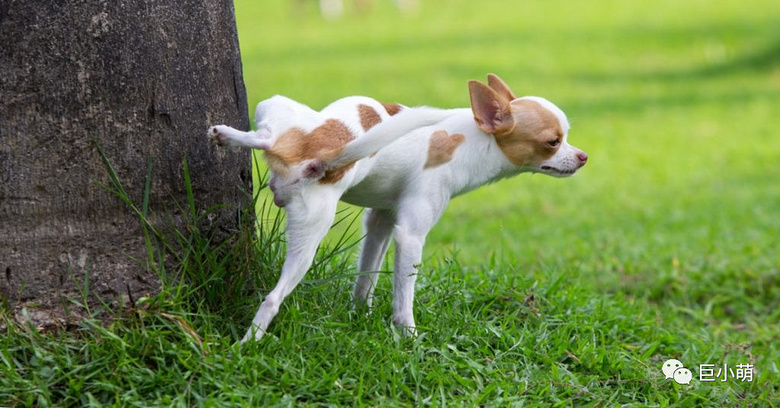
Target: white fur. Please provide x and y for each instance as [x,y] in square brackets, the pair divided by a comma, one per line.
[404,200]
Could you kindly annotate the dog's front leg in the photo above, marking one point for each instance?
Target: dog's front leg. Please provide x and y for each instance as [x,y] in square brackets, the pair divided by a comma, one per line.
[378,226]
[413,224]
[307,223]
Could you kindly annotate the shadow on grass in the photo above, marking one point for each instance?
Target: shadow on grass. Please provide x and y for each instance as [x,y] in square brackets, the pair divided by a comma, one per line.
[690,87]
[678,99]
[760,61]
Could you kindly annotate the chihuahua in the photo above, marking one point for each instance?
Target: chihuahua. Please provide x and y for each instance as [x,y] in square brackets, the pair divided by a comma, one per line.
[403,164]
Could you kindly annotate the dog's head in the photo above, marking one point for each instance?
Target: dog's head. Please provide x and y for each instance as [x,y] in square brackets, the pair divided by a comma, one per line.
[531,131]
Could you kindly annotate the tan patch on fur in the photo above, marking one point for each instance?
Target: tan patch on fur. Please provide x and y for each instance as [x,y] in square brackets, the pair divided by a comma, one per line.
[442,147]
[368,116]
[280,156]
[324,142]
[332,176]
[526,143]
[392,108]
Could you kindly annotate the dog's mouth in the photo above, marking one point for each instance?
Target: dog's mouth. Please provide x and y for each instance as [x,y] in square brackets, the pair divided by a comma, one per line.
[556,172]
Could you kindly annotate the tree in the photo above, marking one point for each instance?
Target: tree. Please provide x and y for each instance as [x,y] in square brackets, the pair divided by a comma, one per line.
[142,79]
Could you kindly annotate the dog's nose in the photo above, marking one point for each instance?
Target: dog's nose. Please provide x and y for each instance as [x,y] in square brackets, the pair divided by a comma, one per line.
[582,157]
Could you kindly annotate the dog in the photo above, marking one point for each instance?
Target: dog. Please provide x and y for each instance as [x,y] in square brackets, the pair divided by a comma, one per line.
[403,164]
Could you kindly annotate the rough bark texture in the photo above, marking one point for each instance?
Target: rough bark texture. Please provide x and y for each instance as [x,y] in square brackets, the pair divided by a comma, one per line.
[143,78]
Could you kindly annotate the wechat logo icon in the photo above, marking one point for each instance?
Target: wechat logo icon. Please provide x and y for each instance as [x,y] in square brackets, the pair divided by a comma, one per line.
[674,369]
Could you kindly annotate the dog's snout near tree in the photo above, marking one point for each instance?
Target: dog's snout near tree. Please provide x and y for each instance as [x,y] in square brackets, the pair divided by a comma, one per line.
[139,79]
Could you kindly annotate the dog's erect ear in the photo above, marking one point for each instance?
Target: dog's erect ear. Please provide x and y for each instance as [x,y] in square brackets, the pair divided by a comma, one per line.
[491,110]
[500,87]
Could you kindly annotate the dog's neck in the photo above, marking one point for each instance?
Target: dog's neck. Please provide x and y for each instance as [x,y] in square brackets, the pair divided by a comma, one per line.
[482,163]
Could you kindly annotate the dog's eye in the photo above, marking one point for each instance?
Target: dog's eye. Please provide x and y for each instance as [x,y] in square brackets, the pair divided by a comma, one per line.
[554,143]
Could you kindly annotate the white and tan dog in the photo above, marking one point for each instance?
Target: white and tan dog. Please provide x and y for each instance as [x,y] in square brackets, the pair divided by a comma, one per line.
[402,164]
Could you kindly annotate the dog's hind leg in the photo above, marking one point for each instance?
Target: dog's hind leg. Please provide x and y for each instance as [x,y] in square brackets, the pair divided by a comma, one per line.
[227,136]
[308,220]
[378,226]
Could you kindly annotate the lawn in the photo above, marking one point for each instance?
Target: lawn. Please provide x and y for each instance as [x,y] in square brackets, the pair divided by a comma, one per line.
[534,291]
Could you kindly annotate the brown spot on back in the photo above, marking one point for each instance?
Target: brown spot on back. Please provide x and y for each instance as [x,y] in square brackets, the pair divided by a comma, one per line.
[442,147]
[324,142]
[526,142]
[392,108]
[368,116]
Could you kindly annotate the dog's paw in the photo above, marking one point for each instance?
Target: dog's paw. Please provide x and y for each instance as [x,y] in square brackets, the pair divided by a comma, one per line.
[406,326]
[215,135]
[253,334]
[409,332]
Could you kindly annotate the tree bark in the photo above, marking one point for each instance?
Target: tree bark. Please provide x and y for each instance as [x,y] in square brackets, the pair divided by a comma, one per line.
[141,78]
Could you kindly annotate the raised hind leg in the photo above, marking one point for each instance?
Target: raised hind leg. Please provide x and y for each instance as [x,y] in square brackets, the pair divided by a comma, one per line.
[224,135]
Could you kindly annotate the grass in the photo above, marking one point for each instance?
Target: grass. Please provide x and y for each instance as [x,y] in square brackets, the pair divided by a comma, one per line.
[534,291]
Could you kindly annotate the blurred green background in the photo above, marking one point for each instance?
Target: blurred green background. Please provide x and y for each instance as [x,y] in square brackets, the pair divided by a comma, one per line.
[676,103]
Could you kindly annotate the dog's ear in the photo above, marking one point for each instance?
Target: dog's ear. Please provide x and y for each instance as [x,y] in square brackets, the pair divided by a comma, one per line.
[491,110]
[500,87]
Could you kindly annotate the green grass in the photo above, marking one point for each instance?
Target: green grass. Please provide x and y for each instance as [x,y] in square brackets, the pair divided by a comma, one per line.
[534,291]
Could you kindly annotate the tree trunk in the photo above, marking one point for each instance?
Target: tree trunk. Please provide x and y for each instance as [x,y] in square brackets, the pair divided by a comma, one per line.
[141,79]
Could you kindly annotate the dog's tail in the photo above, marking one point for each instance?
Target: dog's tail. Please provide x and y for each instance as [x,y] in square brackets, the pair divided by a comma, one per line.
[387,131]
